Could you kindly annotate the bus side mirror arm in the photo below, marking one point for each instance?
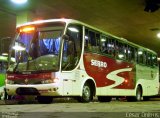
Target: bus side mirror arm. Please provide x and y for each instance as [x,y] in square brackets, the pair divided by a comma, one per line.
[65,37]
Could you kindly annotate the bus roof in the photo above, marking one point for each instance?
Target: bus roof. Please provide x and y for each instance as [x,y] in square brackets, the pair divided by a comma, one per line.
[67,21]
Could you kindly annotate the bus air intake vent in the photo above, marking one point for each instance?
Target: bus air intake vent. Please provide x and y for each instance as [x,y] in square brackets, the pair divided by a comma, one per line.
[27,91]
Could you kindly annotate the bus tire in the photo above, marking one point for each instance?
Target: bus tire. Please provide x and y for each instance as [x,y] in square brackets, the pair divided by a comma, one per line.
[87,94]
[44,99]
[104,98]
[6,96]
[130,99]
[138,96]
[146,98]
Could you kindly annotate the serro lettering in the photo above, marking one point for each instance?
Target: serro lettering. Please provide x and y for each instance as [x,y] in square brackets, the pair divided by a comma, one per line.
[98,63]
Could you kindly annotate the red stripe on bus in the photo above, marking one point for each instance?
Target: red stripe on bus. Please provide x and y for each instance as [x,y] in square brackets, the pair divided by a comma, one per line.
[29,76]
[99,72]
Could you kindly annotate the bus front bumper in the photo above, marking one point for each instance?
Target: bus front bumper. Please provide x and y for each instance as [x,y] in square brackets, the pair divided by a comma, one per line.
[42,90]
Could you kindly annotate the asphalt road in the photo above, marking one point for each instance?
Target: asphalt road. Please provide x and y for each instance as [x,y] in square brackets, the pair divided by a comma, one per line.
[72,109]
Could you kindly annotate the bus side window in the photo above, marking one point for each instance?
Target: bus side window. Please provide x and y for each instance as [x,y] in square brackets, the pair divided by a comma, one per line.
[154,59]
[140,56]
[120,49]
[111,47]
[92,40]
[125,50]
[149,56]
[131,53]
[136,55]
[145,57]
[87,45]
[98,42]
[103,44]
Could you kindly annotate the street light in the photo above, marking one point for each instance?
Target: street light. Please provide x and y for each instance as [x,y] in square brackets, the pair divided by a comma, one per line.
[158,35]
[19,1]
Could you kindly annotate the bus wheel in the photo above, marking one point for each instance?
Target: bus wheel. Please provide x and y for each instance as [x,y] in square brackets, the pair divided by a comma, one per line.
[104,98]
[44,99]
[138,96]
[146,98]
[87,94]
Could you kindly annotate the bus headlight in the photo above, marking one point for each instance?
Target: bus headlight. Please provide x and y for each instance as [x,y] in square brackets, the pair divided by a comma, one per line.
[9,81]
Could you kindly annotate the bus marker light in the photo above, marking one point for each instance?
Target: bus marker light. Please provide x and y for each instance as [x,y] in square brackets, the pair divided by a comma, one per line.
[27,29]
[126,81]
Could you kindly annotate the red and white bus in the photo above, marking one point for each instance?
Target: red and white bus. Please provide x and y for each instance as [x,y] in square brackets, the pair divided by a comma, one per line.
[65,57]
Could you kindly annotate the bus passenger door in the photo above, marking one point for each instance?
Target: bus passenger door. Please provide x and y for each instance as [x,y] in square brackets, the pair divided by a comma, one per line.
[72,48]
[69,62]
[68,79]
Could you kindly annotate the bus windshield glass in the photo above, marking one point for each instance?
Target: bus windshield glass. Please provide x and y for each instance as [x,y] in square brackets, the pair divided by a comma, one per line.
[37,48]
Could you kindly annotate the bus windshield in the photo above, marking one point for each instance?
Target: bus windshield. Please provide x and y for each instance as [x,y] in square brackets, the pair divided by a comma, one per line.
[37,48]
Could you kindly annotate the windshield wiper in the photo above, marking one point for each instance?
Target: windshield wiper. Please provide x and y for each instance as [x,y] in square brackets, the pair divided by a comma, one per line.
[14,70]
